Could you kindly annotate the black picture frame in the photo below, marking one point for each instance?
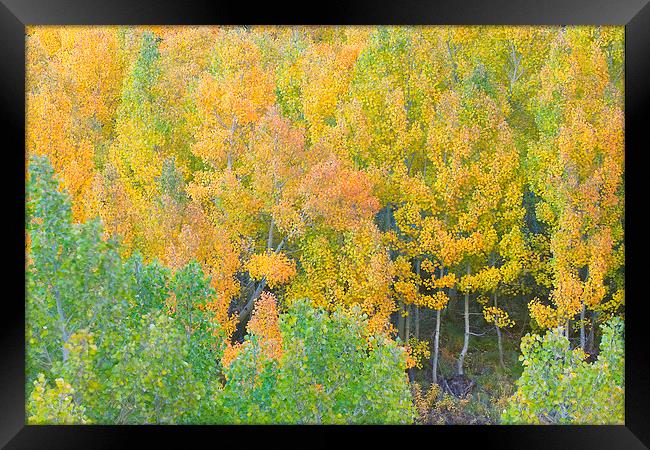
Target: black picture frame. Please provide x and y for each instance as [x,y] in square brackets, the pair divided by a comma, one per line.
[16,14]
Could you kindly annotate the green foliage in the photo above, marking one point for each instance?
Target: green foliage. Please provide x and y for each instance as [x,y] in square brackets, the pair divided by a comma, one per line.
[54,405]
[329,373]
[491,150]
[559,387]
[100,322]
[72,277]
[288,90]
[204,340]
[171,182]
[145,71]
[153,382]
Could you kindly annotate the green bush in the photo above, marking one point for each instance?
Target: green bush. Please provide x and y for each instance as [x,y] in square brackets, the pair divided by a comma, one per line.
[50,405]
[99,325]
[330,372]
[558,386]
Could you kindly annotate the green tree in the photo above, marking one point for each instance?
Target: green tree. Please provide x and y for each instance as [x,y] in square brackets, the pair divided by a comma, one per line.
[330,372]
[559,387]
[131,342]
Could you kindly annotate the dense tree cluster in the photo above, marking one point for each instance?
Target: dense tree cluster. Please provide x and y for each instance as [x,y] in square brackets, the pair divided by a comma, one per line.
[258,224]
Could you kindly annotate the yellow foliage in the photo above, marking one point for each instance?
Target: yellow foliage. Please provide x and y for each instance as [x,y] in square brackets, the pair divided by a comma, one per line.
[544,315]
[275,268]
[383,161]
[498,317]
[417,353]
[436,301]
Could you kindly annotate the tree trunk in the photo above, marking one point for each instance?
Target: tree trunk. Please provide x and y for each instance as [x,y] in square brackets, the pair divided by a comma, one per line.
[452,293]
[62,321]
[415,307]
[407,331]
[269,240]
[387,224]
[400,322]
[246,310]
[233,128]
[463,353]
[436,344]
[499,342]
[592,333]
[436,338]
[189,327]
[503,366]
[583,341]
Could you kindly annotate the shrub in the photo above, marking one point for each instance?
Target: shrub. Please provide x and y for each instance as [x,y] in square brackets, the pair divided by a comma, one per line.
[330,371]
[54,404]
[558,386]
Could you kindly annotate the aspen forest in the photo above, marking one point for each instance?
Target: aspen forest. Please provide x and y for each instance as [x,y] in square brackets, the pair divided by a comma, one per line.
[324,225]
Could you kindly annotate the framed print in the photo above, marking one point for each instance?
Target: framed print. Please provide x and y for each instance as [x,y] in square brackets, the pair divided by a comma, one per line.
[372,222]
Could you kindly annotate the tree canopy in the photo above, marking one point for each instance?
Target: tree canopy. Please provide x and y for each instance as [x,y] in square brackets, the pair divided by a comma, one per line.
[305,224]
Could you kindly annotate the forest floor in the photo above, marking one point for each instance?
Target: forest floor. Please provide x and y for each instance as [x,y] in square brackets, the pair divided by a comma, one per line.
[487,384]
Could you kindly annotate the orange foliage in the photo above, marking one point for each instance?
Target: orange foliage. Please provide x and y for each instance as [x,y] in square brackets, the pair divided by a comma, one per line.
[275,268]
[264,325]
[339,196]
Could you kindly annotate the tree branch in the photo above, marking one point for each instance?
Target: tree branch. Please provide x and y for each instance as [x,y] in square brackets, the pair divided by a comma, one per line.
[248,307]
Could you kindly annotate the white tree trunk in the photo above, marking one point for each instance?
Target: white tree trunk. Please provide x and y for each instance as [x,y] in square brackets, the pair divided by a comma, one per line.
[499,341]
[463,353]
[436,346]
